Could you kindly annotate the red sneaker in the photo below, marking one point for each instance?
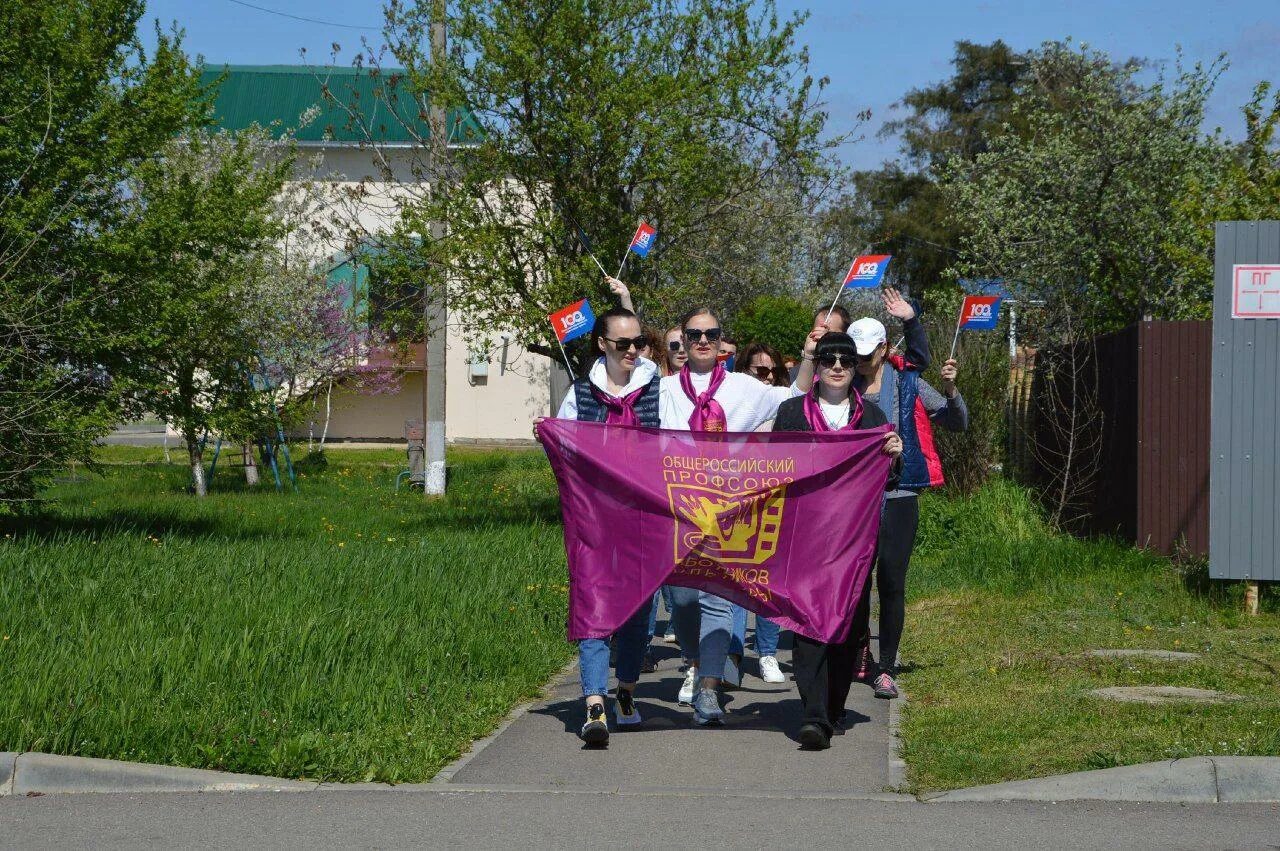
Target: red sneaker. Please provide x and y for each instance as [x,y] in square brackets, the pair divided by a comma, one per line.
[865,665]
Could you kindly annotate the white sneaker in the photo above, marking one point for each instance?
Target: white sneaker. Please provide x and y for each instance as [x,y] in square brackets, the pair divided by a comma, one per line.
[669,636]
[689,687]
[769,670]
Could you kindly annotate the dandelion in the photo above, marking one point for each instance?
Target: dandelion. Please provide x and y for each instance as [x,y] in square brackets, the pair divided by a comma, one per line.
[342,543]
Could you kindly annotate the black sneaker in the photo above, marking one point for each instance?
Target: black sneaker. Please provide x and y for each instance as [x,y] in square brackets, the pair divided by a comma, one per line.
[624,709]
[649,665]
[814,738]
[596,731]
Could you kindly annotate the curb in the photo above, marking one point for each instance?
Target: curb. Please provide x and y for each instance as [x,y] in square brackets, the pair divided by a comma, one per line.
[1195,780]
[44,774]
[896,775]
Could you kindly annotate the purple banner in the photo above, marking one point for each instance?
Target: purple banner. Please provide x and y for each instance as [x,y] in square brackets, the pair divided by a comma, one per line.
[783,523]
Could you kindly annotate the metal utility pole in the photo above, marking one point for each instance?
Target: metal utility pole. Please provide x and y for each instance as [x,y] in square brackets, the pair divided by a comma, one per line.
[434,305]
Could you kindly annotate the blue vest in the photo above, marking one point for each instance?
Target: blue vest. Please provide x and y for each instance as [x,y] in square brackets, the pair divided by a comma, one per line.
[902,386]
[590,410]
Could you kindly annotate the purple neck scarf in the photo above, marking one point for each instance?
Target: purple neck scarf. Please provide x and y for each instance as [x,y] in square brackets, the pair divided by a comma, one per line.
[818,422]
[707,413]
[621,409]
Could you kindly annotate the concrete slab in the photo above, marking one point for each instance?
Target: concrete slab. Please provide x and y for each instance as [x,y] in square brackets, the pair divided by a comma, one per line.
[1248,779]
[1183,780]
[49,773]
[755,753]
[1157,695]
[7,760]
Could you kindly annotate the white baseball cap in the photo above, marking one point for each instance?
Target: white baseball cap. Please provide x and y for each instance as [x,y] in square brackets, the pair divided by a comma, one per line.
[867,333]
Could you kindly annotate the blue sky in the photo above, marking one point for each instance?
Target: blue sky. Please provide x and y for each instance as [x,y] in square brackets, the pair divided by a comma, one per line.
[872,51]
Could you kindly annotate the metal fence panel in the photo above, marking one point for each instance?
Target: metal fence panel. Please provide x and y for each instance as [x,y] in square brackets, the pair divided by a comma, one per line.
[1245,412]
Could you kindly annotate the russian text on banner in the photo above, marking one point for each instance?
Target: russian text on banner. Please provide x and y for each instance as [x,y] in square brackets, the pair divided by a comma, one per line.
[782,523]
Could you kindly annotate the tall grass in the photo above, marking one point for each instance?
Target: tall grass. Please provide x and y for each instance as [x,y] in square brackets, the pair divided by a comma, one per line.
[344,633]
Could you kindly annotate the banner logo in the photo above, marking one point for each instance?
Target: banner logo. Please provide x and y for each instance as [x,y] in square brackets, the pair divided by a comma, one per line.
[727,527]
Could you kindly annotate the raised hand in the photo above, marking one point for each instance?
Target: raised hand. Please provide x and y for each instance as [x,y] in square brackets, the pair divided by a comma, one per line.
[896,304]
[622,291]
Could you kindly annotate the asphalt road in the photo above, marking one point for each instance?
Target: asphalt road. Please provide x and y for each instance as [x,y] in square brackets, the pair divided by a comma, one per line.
[381,819]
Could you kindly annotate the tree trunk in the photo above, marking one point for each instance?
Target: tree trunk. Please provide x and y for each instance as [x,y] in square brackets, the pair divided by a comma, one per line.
[197,467]
[250,465]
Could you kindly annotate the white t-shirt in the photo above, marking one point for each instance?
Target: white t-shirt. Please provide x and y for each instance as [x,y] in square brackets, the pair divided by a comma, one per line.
[640,376]
[748,403]
[837,416]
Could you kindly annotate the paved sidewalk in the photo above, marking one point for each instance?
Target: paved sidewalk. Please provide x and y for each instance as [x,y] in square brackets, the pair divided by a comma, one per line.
[755,752]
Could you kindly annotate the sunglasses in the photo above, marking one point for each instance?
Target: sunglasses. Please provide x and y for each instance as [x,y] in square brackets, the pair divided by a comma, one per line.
[829,361]
[675,346]
[623,344]
[694,335]
[764,373]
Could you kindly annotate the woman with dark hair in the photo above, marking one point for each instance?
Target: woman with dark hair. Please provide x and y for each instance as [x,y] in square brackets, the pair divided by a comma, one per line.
[911,405]
[824,672]
[703,396]
[763,363]
[621,388]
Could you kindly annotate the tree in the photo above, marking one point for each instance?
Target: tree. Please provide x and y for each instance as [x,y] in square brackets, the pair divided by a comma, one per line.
[1078,210]
[899,208]
[778,321]
[83,106]
[205,224]
[690,115]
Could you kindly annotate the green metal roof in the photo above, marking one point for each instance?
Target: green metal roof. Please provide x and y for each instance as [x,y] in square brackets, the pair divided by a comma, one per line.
[279,94]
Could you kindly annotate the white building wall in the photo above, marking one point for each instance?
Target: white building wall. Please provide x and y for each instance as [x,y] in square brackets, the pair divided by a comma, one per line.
[498,406]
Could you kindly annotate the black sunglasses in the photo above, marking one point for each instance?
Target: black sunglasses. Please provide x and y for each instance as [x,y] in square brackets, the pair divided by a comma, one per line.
[693,335]
[764,373]
[675,346]
[829,361]
[622,344]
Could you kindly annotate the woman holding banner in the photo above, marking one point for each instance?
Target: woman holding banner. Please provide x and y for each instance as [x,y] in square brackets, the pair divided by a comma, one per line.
[910,404]
[824,672]
[703,396]
[623,388]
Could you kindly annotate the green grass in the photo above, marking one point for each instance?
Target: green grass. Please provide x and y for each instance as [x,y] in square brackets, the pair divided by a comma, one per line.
[347,633]
[1001,614]
[343,633]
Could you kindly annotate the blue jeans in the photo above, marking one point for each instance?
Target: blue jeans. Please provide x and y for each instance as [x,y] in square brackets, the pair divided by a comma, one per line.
[665,593]
[593,654]
[704,625]
[766,639]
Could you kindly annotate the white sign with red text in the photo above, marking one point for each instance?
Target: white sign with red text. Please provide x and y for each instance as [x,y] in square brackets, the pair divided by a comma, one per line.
[1255,291]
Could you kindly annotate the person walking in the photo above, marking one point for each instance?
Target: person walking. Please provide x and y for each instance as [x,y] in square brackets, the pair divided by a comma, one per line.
[824,672]
[620,388]
[762,363]
[703,396]
[911,405]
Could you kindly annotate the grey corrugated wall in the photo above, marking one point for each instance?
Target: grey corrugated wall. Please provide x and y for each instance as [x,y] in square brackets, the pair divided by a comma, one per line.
[1245,410]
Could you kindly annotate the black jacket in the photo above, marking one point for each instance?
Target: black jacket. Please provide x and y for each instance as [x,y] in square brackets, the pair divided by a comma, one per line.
[791,418]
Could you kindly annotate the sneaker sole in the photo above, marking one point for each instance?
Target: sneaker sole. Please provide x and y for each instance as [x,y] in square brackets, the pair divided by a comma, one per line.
[595,736]
[887,695]
[627,720]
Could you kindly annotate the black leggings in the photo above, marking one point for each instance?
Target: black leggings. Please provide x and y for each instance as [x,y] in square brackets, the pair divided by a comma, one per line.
[893,554]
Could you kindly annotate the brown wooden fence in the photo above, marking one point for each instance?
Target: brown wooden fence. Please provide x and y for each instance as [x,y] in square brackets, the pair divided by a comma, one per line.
[1114,433]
